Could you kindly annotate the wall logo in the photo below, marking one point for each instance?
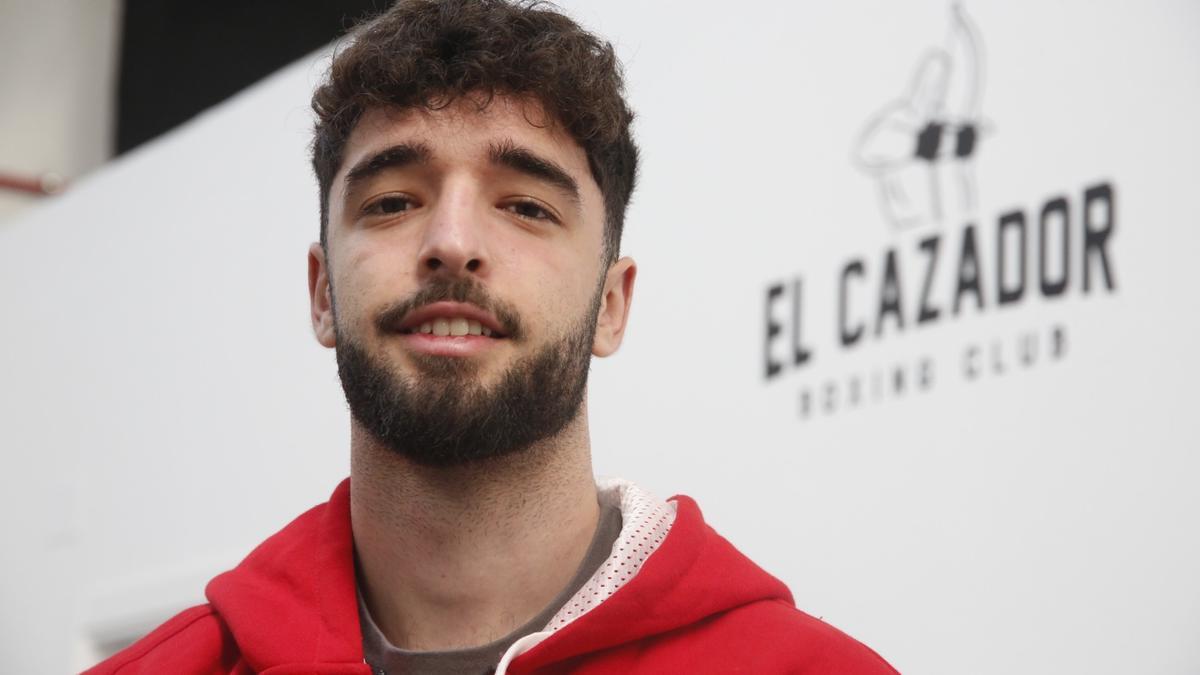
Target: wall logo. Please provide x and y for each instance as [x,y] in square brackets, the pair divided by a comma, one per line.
[921,147]
[920,151]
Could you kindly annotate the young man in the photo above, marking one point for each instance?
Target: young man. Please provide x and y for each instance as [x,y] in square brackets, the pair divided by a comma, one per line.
[475,162]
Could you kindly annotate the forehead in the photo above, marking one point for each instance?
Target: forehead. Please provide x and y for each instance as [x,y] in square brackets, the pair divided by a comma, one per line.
[465,130]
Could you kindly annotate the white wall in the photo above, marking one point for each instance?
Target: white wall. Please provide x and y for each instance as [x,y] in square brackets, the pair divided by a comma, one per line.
[164,406]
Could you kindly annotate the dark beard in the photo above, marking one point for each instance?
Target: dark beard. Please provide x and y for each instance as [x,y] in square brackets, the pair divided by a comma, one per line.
[444,417]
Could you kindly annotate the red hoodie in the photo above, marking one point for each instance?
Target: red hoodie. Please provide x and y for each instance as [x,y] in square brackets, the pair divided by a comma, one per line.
[696,605]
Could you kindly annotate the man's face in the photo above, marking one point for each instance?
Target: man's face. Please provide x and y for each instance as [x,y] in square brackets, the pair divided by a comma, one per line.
[464,283]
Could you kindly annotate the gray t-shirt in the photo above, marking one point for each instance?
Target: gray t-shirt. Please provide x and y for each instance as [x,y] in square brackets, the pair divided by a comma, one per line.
[386,659]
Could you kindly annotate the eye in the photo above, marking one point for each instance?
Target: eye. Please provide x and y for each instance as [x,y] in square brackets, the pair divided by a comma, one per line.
[531,210]
[390,205]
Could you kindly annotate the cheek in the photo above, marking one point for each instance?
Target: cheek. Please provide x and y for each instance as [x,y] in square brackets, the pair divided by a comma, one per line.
[557,275]
[565,290]
[353,286]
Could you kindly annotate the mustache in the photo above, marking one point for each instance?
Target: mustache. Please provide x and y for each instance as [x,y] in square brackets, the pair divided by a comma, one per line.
[463,289]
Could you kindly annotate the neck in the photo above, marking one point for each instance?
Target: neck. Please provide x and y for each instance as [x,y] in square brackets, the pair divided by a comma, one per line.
[458,557]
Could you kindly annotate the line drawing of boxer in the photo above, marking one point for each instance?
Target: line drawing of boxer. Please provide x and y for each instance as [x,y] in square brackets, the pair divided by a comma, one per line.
[921,147]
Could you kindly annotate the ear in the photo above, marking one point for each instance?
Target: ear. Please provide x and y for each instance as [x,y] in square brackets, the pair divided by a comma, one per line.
[320,296]
[614,307]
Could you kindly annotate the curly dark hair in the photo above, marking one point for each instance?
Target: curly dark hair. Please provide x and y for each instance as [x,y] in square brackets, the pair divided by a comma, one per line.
[431,52]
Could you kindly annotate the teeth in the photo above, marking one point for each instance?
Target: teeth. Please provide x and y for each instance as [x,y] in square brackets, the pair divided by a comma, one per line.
[453,327]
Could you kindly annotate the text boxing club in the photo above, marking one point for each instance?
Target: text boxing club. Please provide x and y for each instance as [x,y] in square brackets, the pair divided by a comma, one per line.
[1032,260]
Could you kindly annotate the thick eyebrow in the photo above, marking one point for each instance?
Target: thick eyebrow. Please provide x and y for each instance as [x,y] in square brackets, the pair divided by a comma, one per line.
[525,161]
[394,157]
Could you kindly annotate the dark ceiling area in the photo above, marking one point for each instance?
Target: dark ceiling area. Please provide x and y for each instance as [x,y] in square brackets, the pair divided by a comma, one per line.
[178,57]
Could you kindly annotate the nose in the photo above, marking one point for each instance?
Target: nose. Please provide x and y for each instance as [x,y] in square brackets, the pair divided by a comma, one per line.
[453,243]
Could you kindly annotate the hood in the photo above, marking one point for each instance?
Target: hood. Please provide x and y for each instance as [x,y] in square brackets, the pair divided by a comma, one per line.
[694,574]
[291,602]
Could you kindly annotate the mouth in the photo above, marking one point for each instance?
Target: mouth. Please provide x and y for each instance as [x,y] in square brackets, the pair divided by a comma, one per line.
[452,320]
